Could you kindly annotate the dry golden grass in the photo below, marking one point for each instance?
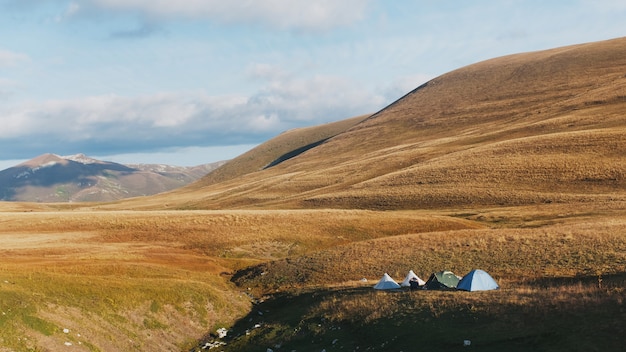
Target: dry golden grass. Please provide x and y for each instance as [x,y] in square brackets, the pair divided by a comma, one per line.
[520,244]
[561,268]
[155,280]
[158,280]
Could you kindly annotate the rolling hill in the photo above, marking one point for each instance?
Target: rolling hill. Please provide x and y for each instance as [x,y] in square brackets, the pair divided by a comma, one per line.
[78,178]
[523,129]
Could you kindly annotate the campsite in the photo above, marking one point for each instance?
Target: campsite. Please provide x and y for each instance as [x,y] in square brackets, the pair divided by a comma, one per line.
[475,280]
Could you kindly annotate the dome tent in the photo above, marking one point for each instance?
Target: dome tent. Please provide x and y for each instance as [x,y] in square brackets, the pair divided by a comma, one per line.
[477,280]
[442,280]
[386,283]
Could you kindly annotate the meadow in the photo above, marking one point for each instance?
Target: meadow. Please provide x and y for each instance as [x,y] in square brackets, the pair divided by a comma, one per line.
[155,280]
[167,280]
[561,271]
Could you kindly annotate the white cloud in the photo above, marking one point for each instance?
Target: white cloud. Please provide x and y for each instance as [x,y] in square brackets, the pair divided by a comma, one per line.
[283,14]
[9,58]
[267,72]
[112,124]
[317,99]
[7,88]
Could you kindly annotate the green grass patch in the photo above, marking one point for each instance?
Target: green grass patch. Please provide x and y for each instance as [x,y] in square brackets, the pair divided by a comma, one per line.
[31,300]
[39,325]
[153,324]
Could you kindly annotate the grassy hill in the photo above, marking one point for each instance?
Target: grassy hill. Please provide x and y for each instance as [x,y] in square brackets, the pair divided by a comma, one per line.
[514,165]
[522,129]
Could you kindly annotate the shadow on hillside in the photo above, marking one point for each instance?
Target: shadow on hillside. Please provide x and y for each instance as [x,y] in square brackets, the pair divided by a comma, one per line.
[294,153]
[13,180]
[601,281]
[361,318]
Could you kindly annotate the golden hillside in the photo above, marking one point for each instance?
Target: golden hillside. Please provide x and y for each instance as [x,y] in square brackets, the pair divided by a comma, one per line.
[522,129]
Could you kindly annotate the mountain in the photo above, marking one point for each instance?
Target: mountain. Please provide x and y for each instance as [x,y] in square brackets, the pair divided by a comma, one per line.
[78,178]
[528,128]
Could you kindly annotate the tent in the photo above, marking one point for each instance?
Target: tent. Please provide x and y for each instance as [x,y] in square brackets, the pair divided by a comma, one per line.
[409,276]
[386,283]
[441,280]
[477,280]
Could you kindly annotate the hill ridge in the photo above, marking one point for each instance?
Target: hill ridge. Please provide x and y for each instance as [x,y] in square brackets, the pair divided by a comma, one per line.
[421,151]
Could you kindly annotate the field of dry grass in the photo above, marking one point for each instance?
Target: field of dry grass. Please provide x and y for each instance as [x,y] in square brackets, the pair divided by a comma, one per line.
[561,268]
[159,280]
[513,244]
[155,280]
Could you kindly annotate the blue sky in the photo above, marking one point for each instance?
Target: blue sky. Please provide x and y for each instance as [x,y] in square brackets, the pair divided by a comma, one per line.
[188,82]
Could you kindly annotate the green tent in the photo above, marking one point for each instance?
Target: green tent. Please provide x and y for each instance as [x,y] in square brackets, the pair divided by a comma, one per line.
[442,280]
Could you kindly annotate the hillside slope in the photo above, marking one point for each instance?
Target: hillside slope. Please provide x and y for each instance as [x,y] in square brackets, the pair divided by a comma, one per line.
[521,129]
[285,146]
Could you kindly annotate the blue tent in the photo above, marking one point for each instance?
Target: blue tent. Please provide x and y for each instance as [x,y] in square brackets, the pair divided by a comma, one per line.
[477,280]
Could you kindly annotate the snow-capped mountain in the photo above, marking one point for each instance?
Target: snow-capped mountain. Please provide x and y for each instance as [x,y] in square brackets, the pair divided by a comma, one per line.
[79,178]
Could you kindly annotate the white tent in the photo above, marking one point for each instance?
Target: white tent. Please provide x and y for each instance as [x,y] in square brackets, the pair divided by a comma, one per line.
[386,283]
[409,276]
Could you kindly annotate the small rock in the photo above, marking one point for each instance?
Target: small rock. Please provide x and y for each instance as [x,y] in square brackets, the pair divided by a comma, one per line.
[222,332]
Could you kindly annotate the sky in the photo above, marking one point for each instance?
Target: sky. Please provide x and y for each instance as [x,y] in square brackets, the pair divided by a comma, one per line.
[190,82]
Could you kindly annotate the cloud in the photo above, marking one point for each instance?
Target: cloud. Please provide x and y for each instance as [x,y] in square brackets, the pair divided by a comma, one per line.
[113,124]
[262,71]
[7,88]
[9,58]
[143,30]
[281,14]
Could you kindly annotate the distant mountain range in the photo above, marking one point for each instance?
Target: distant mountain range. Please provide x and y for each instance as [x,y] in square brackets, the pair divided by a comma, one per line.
[79,178]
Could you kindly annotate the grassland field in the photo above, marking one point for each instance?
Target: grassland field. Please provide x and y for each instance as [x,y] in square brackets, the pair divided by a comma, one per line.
[161,280]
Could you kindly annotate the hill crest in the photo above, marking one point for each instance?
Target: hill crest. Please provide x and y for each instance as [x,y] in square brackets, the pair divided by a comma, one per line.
[527,128]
